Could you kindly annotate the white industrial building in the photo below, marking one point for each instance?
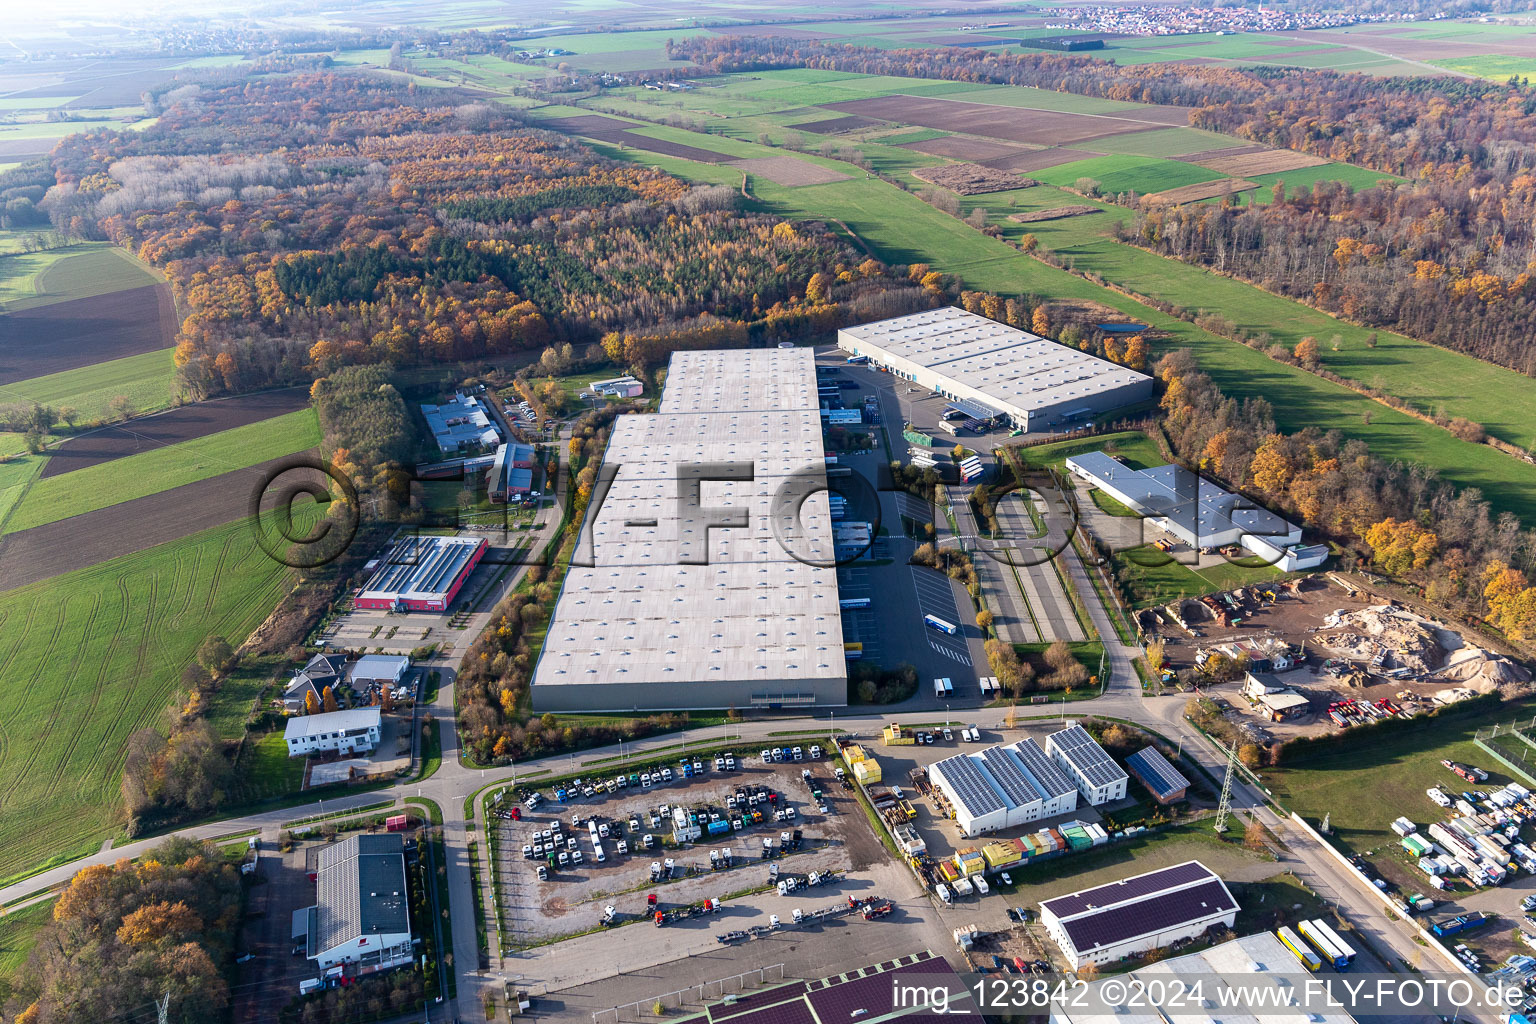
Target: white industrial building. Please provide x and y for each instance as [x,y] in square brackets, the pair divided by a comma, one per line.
[1198,512]
[460,423]
[1095,773]
[341,732]
[1002,787]
[380,670]
[1145,912]
[361,914]
[1160,993]
[671,613]
[993,371]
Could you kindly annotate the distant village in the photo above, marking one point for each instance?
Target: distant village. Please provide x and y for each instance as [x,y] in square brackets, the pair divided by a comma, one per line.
[1139,20]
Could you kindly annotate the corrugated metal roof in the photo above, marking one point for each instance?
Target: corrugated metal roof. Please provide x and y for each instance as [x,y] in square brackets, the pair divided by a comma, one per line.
[360,891]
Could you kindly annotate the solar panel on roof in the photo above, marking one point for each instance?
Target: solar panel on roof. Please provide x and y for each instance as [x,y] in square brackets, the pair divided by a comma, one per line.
[1048,778]
[1085,754]
[1153,769]
[969,784]
[1128,889]
[1155,914]
[1016,785]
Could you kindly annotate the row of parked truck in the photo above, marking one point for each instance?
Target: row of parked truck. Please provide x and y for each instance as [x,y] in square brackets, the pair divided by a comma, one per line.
[589,788]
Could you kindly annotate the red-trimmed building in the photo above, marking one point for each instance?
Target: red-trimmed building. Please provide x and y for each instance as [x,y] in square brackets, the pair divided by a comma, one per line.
[421,574]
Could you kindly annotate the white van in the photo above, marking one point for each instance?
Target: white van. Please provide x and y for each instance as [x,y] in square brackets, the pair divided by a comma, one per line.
[942,891]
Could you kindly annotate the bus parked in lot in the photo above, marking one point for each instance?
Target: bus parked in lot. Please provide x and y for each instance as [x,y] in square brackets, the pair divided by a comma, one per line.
[1295,945]
[853,602]
[934,622]
[1334,950]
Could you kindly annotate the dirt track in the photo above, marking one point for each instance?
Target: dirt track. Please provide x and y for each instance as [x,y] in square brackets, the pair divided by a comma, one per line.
[83,332]
[174,427]
[85,540]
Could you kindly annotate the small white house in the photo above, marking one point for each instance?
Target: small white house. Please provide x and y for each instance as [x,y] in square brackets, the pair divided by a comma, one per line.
[342,732]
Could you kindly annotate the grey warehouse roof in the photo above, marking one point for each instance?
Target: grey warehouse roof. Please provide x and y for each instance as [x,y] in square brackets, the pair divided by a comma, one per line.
[1011,367]
[360,891]
[1182,496]
[351,720]
[642,612]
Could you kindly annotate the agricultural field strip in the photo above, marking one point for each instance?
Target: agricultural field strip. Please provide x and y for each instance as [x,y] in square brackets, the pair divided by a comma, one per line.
[180,425]
[77,333]
[172,464]
[67,545]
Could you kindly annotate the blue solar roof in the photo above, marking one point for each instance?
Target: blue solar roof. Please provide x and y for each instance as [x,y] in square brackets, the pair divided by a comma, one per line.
[1153,769]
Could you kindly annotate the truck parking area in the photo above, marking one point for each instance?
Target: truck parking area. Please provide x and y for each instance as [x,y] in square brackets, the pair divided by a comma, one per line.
[678,849]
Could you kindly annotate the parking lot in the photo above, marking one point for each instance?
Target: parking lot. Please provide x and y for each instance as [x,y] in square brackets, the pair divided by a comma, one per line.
[575,897]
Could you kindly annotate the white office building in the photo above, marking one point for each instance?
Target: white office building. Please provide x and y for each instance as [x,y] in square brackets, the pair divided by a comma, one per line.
[1145,912]
[1197,511]
[1003,787]
[355,731]
[1094,772]
[993,371]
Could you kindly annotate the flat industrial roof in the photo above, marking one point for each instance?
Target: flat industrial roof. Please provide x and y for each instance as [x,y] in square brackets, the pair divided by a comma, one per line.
[1011,367]
[420,568]
[380,666]
[1182,496]
[1260,960]
[866,994]
[642,612]
[1083,753]
[1140,905]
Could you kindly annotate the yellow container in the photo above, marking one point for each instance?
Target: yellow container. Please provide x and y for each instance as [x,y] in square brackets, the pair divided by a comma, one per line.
[866,772]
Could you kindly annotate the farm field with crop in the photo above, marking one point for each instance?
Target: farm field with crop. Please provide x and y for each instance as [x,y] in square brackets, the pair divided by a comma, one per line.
[1116,174]
[79,271]
[60,497]
[95,654]
[146,380]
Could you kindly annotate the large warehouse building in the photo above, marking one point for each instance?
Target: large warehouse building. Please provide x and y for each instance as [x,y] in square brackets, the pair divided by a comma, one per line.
[1002,787]
[1197,511]
[1250,978]
[673,613]
[421,574]
[996,372]
[1137,914]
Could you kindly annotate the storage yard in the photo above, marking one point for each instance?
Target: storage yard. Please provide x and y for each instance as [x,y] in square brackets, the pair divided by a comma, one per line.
[1353,658]
[681,846]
